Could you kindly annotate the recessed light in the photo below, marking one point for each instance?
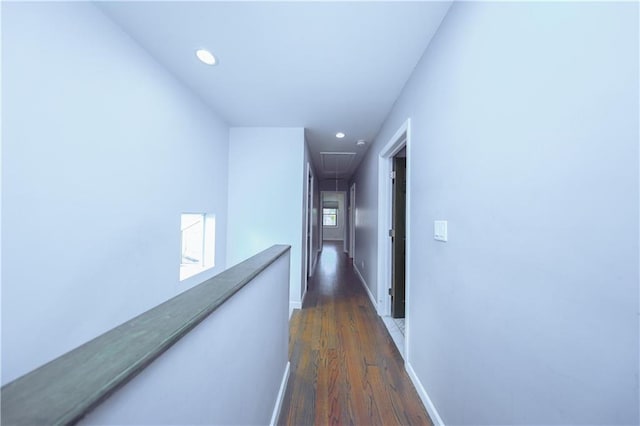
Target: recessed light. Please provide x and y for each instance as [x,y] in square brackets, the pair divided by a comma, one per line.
[339,135]
[361,142]
[205,56]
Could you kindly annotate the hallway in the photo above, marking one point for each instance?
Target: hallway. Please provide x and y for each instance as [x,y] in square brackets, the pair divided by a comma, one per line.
[345,369]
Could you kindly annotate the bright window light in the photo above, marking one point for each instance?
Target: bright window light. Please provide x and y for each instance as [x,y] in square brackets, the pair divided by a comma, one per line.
[330,217]
[198,242]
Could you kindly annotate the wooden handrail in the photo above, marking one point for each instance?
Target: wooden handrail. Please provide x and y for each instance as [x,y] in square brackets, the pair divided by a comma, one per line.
[67,388]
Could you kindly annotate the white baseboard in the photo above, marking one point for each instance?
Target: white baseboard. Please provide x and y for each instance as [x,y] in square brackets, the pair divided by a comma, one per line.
[294,305]
[281,392]
[366,287]
[431,409]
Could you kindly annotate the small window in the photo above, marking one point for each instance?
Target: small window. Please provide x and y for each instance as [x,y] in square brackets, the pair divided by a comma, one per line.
[198,242]
[330,217]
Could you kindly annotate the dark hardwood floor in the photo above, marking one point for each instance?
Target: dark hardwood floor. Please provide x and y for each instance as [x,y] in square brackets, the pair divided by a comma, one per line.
[345,369]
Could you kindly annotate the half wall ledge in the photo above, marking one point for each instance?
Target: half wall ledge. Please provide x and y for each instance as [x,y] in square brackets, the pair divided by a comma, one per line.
[67,388]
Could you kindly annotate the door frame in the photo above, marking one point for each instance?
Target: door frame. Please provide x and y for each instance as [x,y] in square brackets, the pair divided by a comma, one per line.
[352,221]
[343,216]
[308,268]
[401,139]
[398,241]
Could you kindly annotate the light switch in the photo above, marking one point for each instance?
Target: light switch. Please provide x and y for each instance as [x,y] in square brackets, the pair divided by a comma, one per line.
[440,230]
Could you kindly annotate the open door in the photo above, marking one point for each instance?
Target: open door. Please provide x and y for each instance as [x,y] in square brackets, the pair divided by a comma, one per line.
[309,245]
[398,234]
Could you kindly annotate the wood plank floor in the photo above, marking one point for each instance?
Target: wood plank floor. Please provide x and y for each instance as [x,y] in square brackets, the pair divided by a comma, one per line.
[345,369]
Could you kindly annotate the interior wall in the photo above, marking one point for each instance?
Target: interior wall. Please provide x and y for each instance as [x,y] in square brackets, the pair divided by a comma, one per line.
[317,211]
[347,219]
[316,219]
[366,240]
[316,244]
[524,127]
[102,150]
[267,177]
[226,371]
[351,220]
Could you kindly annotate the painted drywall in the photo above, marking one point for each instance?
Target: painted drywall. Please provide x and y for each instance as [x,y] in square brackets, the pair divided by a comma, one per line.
[351,216]
[365,259]
[316,244]
[102,149]
[335,233]
[334,185]
[266,195]
[226,371]
[317,219]
[524,121]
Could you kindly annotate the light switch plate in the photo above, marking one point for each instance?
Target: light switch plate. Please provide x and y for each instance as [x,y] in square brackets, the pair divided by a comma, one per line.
[440,230]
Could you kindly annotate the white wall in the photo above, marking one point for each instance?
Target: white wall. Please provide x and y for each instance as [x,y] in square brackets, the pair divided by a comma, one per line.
[525,138]
[315,218]
[266,195]
[226,371]
[366,222]
[101,152]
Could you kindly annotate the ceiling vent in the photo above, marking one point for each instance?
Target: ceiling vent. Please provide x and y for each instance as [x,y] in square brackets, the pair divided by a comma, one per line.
[337,162]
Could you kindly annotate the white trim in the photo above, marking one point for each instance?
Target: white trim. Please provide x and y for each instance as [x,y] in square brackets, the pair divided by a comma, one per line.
[383,226]
[308,233]
[407,275]
[294,305]
[399,140]
[364,283]
[280,398]
[424,396]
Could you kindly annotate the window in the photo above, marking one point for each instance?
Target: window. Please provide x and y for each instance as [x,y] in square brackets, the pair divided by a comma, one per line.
[330,217]
[197,236]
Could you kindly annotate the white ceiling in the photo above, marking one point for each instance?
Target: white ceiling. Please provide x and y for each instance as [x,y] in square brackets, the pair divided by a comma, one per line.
[325,66]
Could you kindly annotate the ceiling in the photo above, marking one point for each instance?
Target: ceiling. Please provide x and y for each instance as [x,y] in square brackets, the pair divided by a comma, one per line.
[325,66]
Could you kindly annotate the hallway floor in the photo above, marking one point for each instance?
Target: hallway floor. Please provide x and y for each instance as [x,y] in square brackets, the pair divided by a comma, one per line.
[345,369]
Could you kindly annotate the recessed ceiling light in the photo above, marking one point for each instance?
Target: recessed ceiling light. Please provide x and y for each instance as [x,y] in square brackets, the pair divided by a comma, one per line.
[339,135]
[361,142]
[205,56]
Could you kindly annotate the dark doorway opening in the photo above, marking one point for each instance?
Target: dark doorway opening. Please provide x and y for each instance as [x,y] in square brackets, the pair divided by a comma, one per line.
[398,233]
[309,247]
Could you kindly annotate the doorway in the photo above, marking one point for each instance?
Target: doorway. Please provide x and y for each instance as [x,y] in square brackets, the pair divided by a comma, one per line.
[334,216]
[309,227]
[352,221]
[398,233]
[394,237]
